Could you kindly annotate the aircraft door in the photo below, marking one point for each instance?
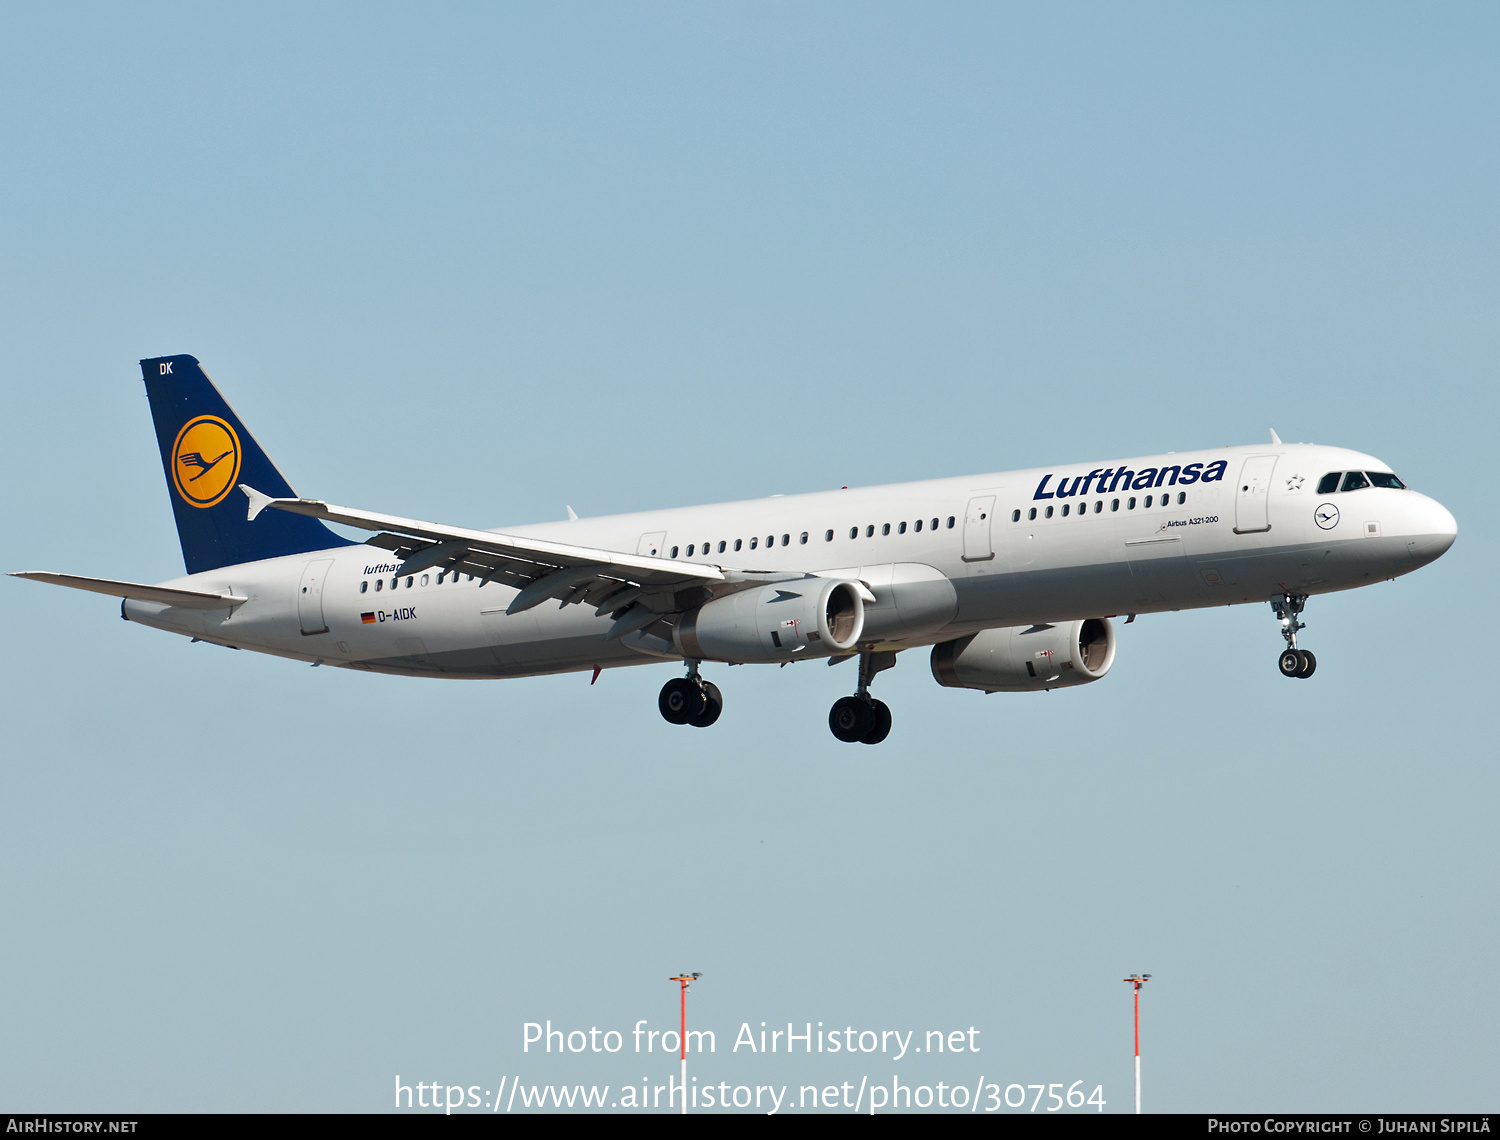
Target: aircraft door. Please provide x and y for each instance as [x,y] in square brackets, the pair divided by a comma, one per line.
[310,596]
[651,544]
[1252,493]
[977,521]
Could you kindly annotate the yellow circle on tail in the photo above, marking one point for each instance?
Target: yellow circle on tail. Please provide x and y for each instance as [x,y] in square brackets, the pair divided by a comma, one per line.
[205,460]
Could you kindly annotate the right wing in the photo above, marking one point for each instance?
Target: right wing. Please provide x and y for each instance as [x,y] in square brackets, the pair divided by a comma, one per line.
[638,589]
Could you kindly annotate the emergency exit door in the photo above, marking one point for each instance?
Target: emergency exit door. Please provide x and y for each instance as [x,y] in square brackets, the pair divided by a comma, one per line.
[977,521]
[1252,495]
[310,596]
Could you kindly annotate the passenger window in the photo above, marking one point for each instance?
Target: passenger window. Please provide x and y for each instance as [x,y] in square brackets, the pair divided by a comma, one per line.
[690,550]
[1098,506]
[1147,503]
[934,524]
[740,540]
[870,531]
[363,586]
[1130,503]
[770,540]
[1355,481]
[1385,479]
[1329,483]
[919,526]
[1032,513]
[1114,504]
[1065,509]
[804,538]
[886,529]
[395,583]
[721,546]
[901,529]
[754,542]
[1181,497]
[674,552]
[379,584]
[409,579]
[950,522]
[854,532]
[828,537]
[1015,515]
[424,579]
[1049,512]
[786,540]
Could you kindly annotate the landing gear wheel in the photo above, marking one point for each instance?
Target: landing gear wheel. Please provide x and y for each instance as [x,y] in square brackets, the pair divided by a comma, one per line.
[851,719]
[1309,663]
[882,726]
[713,705]
[681,700]
[1290,663]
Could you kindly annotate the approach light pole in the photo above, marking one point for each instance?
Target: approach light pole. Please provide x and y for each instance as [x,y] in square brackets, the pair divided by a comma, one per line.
[684,979]
[1137,981]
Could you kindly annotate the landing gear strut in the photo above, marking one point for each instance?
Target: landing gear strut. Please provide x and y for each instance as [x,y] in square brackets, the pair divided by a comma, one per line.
[861,719]
[1293,662]
[690,700]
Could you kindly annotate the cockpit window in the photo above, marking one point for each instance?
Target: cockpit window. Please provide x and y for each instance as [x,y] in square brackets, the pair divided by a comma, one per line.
[1386,479]
[1329,483]
[1355,481]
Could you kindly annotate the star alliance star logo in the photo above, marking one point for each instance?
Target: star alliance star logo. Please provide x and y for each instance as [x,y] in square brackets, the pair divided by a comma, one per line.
[1294,483]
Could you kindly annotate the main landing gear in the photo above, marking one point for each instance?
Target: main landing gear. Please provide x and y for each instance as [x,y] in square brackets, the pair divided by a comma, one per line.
[690,700]
[861,719]
[1293,662]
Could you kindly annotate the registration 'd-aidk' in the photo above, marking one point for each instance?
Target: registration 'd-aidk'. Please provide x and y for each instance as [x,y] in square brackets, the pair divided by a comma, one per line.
[1010,579]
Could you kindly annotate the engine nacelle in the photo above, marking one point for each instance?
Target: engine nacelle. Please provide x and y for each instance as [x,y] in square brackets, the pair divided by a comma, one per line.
[1021,659]
[806,617]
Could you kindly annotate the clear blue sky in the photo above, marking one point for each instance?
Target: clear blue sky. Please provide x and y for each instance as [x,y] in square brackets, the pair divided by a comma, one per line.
[474,265]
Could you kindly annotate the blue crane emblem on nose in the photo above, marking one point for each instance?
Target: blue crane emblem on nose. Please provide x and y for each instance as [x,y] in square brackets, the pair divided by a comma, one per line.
[1326,516]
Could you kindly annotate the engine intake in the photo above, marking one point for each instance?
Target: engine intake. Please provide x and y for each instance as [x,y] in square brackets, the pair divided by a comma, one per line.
[1020,659]
[806,617]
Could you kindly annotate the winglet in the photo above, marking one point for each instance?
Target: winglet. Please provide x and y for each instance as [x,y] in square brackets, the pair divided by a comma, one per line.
[1275,439]
[258,502]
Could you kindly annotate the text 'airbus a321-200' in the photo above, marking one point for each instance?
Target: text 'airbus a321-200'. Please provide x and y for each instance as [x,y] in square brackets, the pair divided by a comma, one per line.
[1010,578]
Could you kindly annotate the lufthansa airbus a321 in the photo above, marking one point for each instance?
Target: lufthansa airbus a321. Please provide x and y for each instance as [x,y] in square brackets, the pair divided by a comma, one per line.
[1010,578]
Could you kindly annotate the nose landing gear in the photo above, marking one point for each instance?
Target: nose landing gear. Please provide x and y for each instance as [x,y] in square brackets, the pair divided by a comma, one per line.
[1293,662]
[861,719]
[690,700]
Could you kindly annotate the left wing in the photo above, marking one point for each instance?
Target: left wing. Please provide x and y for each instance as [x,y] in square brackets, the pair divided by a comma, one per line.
[638,589]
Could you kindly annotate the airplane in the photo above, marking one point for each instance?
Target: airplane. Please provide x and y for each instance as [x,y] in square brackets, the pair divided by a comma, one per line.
[1012,579]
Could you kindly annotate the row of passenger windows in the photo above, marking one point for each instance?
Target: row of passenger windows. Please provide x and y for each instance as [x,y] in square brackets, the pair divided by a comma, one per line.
[704,549]
[1358,481]
[1114,505]
[411,580]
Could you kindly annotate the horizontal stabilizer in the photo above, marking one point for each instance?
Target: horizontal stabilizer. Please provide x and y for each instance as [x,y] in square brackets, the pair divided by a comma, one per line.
[187,599]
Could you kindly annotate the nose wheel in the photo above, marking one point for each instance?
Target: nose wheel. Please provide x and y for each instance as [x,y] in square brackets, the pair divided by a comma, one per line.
[1293,662]
[861,719]
[690,700]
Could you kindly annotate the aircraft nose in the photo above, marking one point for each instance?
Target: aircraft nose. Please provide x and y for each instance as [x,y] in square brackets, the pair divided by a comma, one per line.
[1443,526]
[1435,530]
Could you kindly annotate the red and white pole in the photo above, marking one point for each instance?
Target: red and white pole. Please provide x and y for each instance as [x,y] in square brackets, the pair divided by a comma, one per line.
[1137,981]
[684,980]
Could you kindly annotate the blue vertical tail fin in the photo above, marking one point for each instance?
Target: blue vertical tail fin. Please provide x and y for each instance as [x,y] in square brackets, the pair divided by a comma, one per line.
[207,453]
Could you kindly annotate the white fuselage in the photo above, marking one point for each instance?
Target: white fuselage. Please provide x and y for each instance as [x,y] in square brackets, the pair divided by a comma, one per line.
[979,560]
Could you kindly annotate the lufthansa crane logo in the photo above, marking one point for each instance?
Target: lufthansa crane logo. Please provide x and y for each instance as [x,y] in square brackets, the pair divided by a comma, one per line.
[1326,516]
[205,460]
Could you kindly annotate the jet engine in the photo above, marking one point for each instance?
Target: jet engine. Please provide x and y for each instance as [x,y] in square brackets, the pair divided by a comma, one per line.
[1021,659]
[804,617]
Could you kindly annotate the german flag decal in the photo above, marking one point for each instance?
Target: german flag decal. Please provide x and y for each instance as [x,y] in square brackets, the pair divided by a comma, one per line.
[368,619]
